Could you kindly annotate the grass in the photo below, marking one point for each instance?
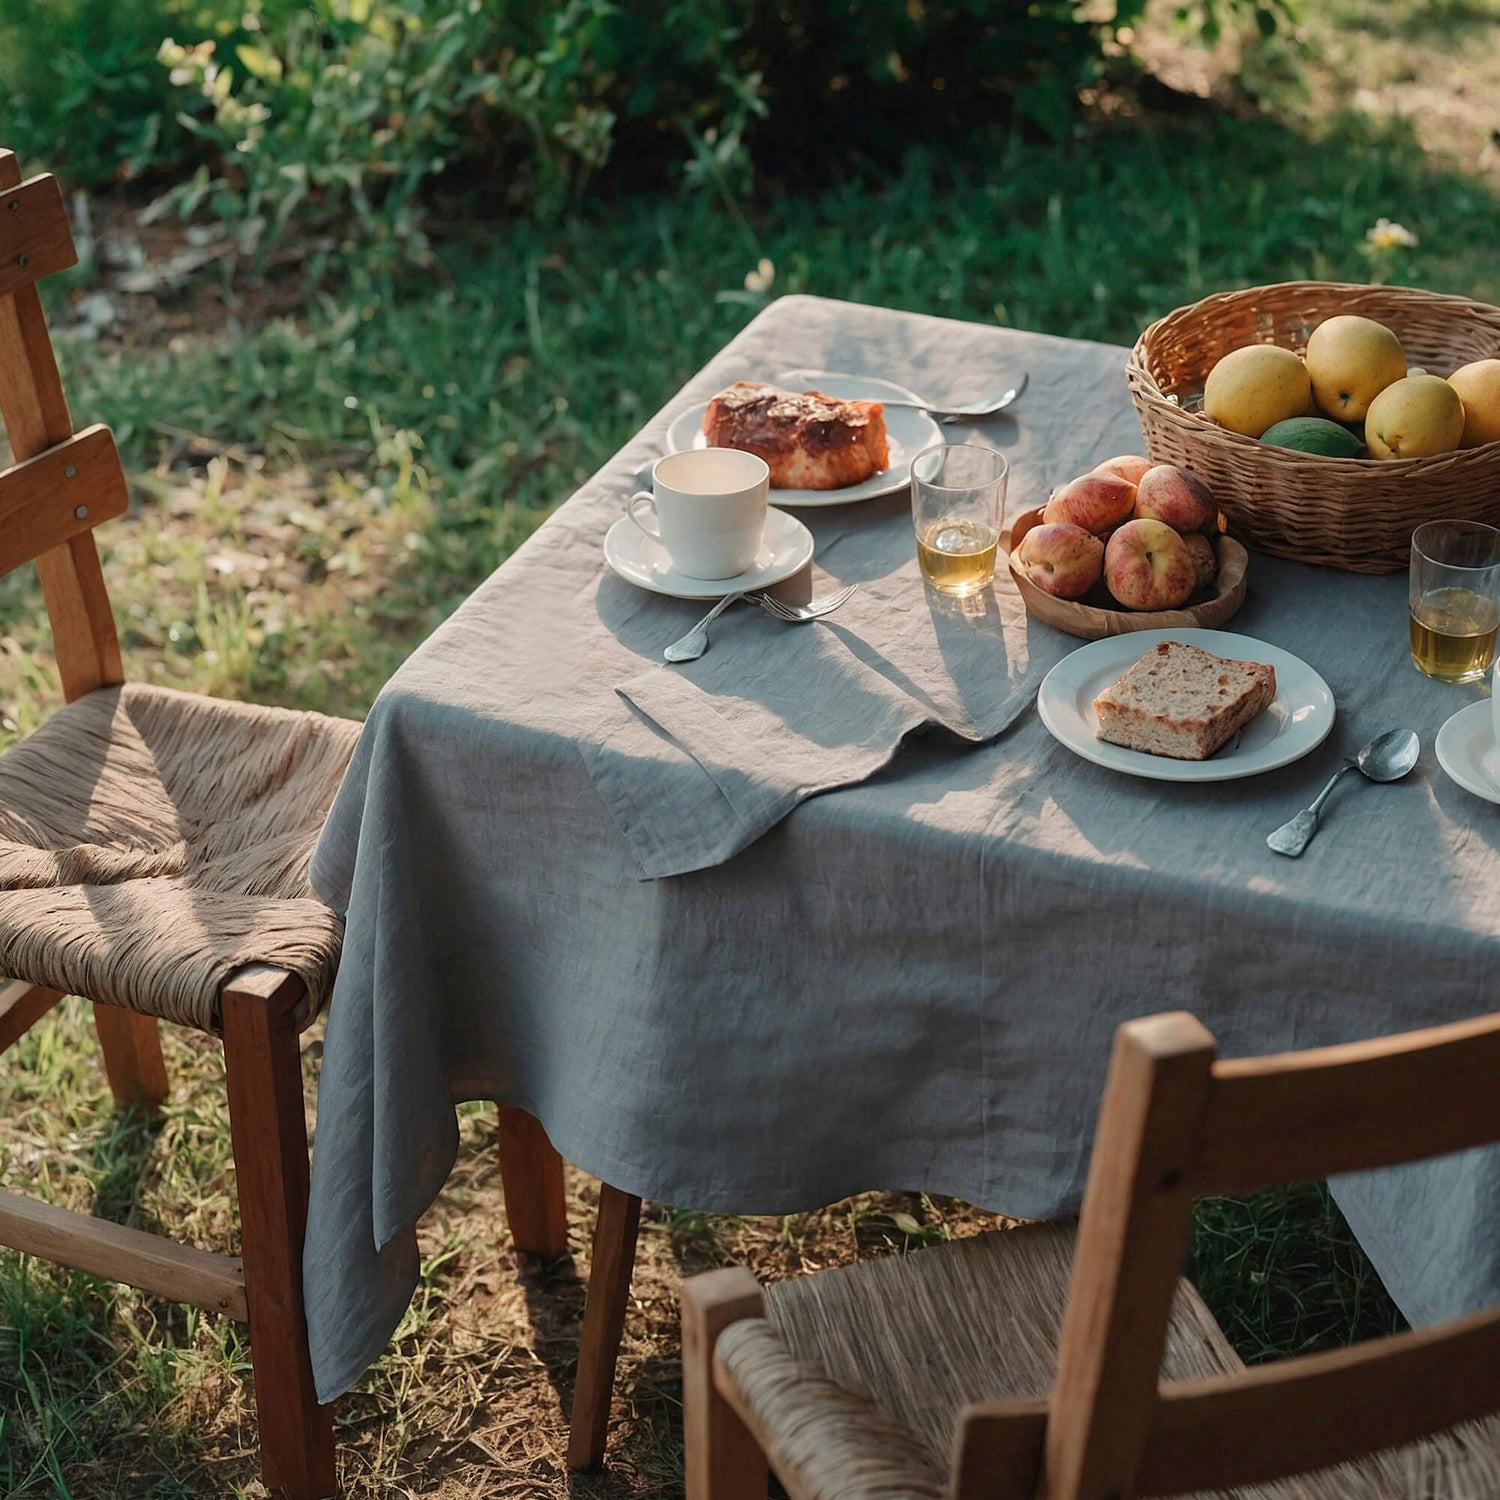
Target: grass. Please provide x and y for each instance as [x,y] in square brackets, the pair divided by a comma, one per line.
[320,476]
[351,469]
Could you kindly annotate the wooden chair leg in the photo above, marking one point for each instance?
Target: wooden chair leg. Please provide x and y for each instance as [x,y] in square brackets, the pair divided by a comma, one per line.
[22,1005]
[723,1459]
[131,1044]
[603,1320]
[269,1132]
[532,1174]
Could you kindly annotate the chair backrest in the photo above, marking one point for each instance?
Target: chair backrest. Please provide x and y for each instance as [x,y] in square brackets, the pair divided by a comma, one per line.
[1176,1123]
[61,484]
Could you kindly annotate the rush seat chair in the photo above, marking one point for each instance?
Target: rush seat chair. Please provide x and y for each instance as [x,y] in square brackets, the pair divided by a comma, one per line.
[1039,1362]
[153,859]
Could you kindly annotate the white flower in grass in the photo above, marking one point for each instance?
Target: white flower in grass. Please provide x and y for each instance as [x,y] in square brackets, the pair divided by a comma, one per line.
[760,279]
[1385,234]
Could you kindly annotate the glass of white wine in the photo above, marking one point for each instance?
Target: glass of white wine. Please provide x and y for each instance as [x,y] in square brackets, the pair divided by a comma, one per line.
[1455,598]
[957,505]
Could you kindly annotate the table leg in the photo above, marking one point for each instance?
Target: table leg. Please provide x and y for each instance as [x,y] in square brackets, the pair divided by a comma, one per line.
[532,1174]
[603,1320]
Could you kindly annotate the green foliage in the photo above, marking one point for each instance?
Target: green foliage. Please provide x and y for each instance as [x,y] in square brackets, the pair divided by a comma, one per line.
[79,88]
[1207,17]
[345,106]
[347,113]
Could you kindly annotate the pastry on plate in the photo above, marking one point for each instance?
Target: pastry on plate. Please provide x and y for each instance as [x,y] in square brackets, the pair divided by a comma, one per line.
[1182,702]
[809,440]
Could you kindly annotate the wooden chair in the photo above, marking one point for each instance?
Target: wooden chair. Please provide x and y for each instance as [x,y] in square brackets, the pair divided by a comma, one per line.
[1036,1362]
[153,857]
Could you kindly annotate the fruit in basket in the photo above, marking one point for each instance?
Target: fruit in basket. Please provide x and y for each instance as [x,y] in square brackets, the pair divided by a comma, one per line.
[1177,496]
[1314,435]
[1128,466]
[1252,388]
[1350,360]
[1147,565]
[1478,385]
[1095,502]
[1417,416]
[1061,559]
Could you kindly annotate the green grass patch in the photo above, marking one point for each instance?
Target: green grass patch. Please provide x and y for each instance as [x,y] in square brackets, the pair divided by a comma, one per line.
[417,430]
[1284,1275]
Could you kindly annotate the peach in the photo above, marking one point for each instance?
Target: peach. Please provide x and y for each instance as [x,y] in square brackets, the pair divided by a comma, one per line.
[1204,560]
[1128,466]
[1061,559]
[1094,501]
[1176,496]
[1147,565]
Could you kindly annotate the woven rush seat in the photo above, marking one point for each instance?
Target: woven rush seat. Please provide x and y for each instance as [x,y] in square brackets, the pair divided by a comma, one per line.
[152,842]
[857,1376]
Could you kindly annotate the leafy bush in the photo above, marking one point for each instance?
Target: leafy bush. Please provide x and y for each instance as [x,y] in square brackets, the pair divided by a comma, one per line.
[350,110]
[345,106]
[80,88]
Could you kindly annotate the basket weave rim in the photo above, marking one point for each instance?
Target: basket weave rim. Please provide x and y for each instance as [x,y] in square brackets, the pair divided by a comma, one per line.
[1151,393]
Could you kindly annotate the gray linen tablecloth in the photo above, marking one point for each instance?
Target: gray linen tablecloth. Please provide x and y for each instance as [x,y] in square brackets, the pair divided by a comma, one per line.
[719,751]
[911,981]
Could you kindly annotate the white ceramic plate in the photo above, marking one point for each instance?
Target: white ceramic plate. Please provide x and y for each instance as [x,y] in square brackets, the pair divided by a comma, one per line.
[1466,750]
[907,433]
[786,545]
[1297,720]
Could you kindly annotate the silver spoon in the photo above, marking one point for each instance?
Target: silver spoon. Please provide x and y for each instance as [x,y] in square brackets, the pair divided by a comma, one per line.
[970,413]
[1388,757]
[692,645]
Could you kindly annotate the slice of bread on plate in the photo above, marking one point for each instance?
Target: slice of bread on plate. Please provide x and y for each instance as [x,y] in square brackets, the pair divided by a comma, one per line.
[1182,702]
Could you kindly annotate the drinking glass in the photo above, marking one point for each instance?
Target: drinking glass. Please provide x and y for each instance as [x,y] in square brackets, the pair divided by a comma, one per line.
[957,504]
[1455,598]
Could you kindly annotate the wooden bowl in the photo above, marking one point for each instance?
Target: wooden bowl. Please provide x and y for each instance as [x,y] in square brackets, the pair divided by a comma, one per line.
[1093,617]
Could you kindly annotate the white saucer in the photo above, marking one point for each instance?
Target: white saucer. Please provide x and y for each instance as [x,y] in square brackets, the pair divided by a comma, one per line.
[907,433]
[1466,750]
[786,545]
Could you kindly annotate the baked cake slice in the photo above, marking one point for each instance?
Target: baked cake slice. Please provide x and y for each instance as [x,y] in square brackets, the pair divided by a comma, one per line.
[1182,702]
[810,441]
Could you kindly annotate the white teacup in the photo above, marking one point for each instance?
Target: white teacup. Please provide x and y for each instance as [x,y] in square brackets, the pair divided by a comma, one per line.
[710,509]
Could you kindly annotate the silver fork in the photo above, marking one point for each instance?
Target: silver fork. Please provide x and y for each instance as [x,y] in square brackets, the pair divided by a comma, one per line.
[691,646]
[796,614]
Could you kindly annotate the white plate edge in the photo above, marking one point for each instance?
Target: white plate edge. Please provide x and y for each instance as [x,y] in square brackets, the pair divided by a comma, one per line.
[1449,733]
[1164,768]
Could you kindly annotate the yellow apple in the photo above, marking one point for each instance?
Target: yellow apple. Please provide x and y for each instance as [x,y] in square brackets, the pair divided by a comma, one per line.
[1253,388]
[1350,360]
[1478,386]
[1414,417]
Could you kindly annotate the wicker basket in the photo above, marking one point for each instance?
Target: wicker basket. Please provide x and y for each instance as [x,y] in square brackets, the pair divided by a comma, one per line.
[1350,513]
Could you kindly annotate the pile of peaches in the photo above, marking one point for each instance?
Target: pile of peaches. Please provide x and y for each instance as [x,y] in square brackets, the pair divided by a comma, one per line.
[1144,529]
